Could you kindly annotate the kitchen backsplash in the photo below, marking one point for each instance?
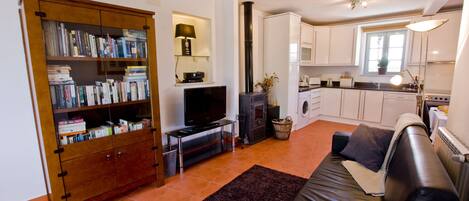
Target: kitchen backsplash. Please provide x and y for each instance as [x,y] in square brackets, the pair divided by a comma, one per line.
[440,76]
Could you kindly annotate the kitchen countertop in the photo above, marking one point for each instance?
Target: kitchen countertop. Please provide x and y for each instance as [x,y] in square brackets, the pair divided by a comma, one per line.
[363,86]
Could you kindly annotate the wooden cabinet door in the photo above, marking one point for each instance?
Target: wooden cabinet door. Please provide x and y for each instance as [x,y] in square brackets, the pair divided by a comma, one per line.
[123,21]
[90,175]
[342,45]
[322,45]
[331,100]
[350,103]
[373,106]
[443,41]
[69,12]
[135,162]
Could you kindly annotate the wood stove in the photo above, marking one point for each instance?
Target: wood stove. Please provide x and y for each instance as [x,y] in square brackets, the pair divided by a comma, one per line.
[252,106]
[253,117]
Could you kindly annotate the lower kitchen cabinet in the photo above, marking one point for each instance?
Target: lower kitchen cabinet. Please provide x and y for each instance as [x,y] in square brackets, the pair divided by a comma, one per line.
[372,106]
[396,104]
[350,103]
[331,101]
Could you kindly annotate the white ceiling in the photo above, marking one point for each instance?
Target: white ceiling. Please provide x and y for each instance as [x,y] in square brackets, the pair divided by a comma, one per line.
[322,11]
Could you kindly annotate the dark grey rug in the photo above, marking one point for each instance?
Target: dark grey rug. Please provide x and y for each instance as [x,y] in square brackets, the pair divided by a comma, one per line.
[260,183]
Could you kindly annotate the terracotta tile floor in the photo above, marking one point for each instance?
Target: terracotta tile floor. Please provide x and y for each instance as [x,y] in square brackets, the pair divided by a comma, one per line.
[298,156]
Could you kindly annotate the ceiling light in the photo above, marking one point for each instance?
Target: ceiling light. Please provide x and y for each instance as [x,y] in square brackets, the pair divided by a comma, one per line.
[426,25]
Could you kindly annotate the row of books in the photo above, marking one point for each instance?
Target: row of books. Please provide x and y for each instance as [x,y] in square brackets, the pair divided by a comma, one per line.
[65,93]
[109,129]
[61,41]
[111,91]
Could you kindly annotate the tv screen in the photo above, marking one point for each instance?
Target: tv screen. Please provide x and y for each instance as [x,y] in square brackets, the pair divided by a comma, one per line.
[204,105]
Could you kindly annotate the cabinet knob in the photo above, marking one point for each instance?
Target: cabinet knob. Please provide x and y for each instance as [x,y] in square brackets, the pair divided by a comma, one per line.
[119,154]
[108,157]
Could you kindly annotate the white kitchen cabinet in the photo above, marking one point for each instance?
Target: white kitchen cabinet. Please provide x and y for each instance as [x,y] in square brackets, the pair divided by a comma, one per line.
[307,44]
[331,101]
[281,56]
[372,106]
[350,103]
[443,41]
[322,45]
[342,45]
[415,39]
[315,103]
[395,104]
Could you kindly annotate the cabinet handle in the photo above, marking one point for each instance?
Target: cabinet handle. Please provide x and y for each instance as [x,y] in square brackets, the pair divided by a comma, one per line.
[119,154]
[108,157]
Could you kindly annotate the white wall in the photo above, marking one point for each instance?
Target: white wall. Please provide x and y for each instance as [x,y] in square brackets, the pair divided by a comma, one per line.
[21,175]
[459,106]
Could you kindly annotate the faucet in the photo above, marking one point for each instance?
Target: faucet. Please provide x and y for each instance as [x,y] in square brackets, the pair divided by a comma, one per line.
[415,81]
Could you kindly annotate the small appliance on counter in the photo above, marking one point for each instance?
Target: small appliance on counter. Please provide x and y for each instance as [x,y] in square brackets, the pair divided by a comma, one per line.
[346,80]
[314,81]
[191,77]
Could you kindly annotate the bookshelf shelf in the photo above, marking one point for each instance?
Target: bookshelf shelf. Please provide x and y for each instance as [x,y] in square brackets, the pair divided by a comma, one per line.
[79,109]
[61,58]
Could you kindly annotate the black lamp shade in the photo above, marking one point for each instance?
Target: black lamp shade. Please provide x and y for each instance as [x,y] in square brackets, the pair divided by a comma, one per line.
[185,31]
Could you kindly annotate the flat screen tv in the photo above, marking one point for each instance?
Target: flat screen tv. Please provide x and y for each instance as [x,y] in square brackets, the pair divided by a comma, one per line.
[204,105]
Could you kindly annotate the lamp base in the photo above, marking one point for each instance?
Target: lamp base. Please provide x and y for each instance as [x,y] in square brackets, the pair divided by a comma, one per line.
[186,47]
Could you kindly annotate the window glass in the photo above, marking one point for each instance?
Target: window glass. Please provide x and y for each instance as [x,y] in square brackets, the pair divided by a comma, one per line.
[385,44]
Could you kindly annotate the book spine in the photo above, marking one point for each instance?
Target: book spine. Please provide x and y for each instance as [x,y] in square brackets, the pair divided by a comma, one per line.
[73,95]
[90,95]
[133,91]
[61,95]
[53,96]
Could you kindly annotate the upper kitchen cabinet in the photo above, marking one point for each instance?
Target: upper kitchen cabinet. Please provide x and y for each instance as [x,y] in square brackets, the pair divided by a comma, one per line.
[342,45]
[443,41]
[307,44]
[322,45]
[416,43]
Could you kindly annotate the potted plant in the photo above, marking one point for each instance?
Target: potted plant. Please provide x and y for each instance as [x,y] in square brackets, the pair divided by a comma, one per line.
[383,66]
[266,84]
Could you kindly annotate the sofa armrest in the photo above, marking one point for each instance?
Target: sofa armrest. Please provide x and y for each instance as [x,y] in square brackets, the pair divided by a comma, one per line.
[339,141]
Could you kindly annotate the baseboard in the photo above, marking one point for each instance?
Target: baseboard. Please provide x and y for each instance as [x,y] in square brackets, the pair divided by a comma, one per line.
[352,121]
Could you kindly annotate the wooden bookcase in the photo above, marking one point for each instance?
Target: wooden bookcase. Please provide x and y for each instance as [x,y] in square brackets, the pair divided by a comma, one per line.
[94,79]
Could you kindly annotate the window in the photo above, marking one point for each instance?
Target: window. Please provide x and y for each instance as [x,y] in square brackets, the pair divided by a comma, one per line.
[389,44]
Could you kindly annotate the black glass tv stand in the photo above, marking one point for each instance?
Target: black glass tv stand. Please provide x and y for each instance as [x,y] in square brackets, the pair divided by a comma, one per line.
[179,134]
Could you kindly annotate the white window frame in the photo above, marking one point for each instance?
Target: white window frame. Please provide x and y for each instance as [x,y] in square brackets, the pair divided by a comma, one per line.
[386,34]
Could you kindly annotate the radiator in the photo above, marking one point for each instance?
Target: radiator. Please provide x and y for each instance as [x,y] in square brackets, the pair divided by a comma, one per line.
[455,157]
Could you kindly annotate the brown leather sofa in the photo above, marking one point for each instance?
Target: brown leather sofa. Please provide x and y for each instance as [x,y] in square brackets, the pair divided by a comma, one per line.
[415,173]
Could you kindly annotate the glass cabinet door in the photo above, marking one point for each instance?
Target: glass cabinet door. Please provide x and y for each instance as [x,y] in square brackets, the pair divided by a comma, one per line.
[98,80]
[128,77]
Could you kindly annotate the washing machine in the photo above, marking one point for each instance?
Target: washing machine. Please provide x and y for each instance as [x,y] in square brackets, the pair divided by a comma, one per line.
[304,104]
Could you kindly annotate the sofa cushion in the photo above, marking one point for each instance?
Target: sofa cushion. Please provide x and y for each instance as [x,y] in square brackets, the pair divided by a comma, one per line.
[331,181]
[368,146]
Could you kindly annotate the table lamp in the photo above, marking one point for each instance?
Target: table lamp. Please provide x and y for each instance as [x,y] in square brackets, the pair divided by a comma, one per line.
[185,32]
